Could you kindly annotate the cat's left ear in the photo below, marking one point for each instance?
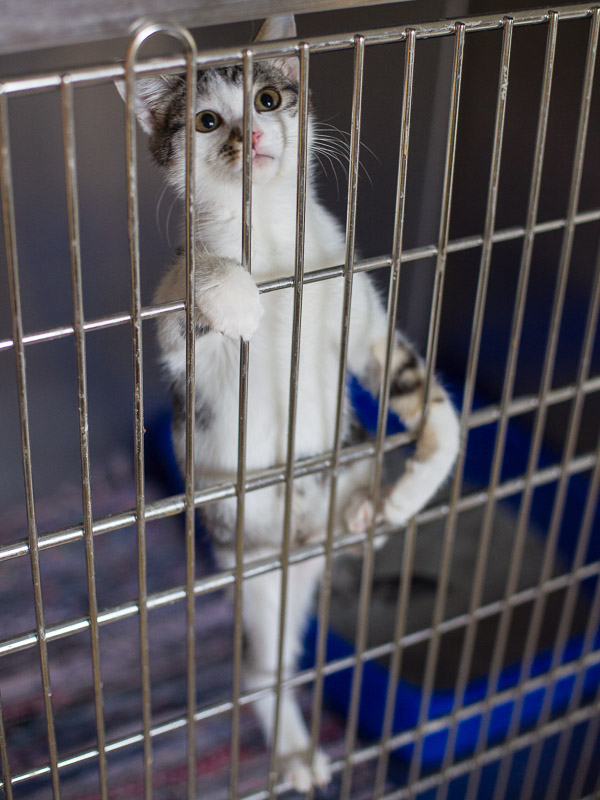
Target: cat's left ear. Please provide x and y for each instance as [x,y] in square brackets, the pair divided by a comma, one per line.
[283,27]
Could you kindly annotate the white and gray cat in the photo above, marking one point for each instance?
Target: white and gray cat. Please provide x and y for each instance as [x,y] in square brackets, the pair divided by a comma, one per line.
[229,306]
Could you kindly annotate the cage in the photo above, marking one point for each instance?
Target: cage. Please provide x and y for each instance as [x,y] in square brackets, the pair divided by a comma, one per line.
[460,660]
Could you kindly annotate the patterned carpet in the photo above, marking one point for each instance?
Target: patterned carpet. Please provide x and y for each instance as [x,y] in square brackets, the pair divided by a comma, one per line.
[65,596]
[64,586]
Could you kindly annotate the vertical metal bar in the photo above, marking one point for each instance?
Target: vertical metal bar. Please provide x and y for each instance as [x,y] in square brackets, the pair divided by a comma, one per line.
[472,363]
[304,52]
[540,419]
[430,365]
[440,269]
[248,78]
[359,54]
[366,578]
[576,694]
[4,762]
[74,236]
[591,738]
[410,534]
[8,213]
[408,554]
[409,541]
[185,38]
[509,375]
[136,341]
[190,417]
[590,743]
[325,595]
[568,608]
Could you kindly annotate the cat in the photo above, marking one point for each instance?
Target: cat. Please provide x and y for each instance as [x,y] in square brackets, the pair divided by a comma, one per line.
[229,306]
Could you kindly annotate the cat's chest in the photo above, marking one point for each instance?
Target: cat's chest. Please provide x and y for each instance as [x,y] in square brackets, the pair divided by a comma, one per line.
[270,380]
[274,233]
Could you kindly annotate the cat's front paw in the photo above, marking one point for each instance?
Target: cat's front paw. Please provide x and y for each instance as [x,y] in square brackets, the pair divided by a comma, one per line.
[232,306]
[359,513]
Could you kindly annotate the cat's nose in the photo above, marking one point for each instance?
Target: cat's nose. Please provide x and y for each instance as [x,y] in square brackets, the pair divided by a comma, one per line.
[256,137]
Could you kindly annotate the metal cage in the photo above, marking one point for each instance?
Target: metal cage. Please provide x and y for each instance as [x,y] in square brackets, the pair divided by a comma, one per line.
[527,729]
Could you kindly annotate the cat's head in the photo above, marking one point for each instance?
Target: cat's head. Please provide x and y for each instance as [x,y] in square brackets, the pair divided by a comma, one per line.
[160,107]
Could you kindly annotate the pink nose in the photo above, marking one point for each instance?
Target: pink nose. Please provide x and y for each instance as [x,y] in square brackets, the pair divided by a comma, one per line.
[256,137]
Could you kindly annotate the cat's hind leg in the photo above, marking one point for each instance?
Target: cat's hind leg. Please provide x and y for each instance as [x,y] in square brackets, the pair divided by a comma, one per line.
[262,609]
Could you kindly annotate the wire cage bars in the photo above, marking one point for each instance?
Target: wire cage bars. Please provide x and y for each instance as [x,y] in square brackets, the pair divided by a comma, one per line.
[527,727]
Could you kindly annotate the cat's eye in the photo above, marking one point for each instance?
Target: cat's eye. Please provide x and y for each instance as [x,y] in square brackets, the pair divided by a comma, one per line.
[207,121]
[267,99]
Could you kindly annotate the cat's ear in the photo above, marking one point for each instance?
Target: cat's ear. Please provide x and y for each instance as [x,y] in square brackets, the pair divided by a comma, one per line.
[283,27]
[151,98]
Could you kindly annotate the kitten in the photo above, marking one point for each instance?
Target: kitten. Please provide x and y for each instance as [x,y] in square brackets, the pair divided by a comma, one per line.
[228,307]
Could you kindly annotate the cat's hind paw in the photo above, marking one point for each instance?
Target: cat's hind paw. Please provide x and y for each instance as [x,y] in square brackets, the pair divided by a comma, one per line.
[232,306]
[302,775]
[321,769]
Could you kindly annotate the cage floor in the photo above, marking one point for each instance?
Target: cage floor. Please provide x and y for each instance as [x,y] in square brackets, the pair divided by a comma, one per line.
[64,585]
[420,613]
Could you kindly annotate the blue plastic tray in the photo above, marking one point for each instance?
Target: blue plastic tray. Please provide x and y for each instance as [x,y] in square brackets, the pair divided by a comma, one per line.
[408,698]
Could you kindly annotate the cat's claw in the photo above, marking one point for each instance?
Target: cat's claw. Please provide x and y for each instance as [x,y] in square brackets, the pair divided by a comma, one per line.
[233,306]
[302,776]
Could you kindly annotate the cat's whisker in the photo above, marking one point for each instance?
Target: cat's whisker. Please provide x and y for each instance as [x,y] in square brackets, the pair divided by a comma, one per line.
[332,155]
[343,153]
[168,225]
[316,152]
[161,196]
[323,135]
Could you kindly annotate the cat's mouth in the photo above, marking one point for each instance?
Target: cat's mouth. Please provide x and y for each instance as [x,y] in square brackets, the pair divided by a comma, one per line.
[258,158]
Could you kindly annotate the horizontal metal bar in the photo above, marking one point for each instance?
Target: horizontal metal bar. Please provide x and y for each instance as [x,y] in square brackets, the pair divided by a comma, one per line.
[373,751]
[262,566]
[366,265]
[528,403]
[226,57]
[176,504]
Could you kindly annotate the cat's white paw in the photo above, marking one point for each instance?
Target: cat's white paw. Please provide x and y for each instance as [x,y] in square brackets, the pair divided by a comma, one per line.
[232,306]
[302,775]
[414,489]
[358,515]
[298,773]
[321,768]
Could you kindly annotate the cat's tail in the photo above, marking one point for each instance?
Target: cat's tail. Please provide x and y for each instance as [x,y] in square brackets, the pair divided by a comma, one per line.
[437,428]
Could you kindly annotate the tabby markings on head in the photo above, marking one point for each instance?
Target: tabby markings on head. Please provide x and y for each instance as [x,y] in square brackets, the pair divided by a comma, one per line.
[169,109]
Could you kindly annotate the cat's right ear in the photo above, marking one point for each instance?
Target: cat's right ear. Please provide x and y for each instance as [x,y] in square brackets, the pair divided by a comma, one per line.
[151,99]
[282,27]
